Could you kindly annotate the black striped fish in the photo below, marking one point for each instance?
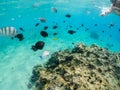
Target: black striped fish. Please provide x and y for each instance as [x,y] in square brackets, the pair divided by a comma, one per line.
[8,31]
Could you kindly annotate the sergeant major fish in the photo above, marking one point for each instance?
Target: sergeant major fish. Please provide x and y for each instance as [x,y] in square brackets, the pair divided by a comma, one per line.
[8,31]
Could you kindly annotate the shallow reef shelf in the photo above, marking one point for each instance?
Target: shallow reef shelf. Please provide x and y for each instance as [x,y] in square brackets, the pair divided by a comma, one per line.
[83,68]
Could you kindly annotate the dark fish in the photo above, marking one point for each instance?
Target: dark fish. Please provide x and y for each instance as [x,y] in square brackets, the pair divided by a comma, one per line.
[73,43]
[53,9]
[21,29]
[68,15]
[54,27]
[54,34]
[44,34]
[103,31]
[70,26]
[86,29]
[38,45]
[71,31]
[43,20]
[77,28]
[45,27]
[64,21]
[82,25]
[37,24]
[95,25]
[119,30]
[8,31]
[19,36]
[111,25]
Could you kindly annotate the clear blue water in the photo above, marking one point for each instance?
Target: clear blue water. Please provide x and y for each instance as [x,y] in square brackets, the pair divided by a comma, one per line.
[17,59]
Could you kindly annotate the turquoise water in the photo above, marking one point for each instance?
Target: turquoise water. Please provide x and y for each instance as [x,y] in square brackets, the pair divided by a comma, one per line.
[17,58]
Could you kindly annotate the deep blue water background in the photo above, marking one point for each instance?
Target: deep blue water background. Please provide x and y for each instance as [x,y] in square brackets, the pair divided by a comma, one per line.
[17,58]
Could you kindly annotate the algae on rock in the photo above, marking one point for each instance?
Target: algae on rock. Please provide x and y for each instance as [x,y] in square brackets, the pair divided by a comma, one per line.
[83,68]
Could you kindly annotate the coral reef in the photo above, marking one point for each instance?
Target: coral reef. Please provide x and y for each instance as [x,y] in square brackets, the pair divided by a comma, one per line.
[83,68]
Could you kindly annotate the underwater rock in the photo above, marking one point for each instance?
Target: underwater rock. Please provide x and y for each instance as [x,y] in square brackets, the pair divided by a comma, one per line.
[71,31]
[82,68]
[38,45]
[44,33]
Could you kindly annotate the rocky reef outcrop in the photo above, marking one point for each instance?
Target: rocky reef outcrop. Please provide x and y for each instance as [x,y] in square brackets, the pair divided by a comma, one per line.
[82,68]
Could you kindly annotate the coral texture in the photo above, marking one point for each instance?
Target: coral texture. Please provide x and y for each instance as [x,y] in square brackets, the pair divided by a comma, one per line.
[83,68]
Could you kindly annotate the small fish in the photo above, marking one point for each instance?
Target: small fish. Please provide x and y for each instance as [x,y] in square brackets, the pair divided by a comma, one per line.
[37,24]
[8,31]
[53,9]
[82,25]
[68,15]
[103,31]
[86,29]
[21,29]
[73,43]
[44,54]
[54,27]
[77,28]
[45,27]
[43,20]
[95,25]
[54,34]
[20,36]
[111,25]
[71,32]
[64,21]
[70,26]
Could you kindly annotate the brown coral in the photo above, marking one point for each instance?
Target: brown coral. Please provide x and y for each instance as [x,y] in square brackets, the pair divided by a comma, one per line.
[84,68]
